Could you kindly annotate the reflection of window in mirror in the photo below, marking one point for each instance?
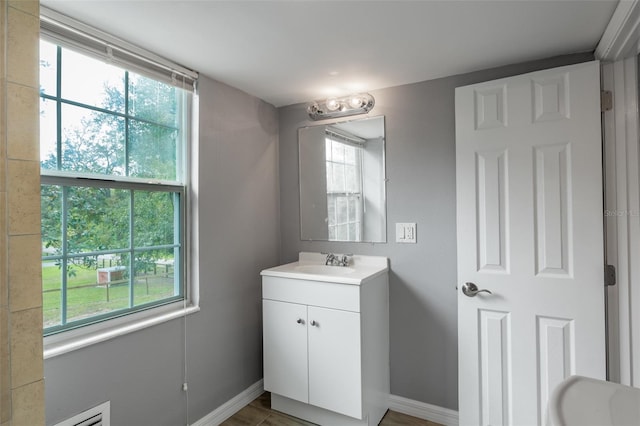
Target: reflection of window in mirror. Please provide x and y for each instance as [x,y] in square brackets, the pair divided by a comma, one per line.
[344,186]
[342,181]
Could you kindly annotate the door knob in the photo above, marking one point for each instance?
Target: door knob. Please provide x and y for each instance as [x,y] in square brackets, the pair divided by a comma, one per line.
[300,321]
[470,289]
[313,323]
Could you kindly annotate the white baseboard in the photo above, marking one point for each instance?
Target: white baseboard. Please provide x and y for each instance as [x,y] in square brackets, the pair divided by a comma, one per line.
[418,409]
[424,411]
[232,406]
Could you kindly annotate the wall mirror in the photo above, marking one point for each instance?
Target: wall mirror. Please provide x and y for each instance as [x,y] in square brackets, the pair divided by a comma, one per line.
[342,181]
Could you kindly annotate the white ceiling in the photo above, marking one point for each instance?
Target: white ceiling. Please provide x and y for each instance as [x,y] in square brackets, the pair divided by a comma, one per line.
[294,51]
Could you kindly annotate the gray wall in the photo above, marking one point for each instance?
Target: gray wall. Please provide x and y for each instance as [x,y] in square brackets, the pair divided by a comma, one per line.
[142,373]
[420,160]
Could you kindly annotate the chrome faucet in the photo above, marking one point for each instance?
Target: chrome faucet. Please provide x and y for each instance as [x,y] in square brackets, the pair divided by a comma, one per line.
[345,260]
[333,260]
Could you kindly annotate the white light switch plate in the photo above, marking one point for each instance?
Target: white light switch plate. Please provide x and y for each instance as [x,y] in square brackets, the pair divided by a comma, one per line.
[406,233]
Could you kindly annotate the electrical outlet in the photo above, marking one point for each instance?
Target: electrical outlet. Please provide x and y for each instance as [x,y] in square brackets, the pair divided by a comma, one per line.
[406,233]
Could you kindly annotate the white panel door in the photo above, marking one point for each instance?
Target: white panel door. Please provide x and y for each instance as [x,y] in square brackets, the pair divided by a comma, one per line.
[335,374]
[529,219]
[285,349]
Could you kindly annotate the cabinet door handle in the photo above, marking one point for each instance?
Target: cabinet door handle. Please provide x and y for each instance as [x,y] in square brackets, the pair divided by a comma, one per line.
[314,324]
[300,321]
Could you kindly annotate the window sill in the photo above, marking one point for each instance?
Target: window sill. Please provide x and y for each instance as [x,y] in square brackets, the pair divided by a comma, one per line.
[68,341]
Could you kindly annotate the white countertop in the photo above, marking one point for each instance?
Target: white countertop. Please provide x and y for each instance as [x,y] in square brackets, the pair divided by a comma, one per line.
[311,267]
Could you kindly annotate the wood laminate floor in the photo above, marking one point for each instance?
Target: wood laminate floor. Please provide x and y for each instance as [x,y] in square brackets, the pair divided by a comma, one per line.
[259,413]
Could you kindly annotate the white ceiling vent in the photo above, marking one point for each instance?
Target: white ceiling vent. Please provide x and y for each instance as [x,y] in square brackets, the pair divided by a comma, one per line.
[96,416]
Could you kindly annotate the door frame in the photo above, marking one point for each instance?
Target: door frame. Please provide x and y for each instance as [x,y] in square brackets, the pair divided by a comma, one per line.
[622,218]
[618,50]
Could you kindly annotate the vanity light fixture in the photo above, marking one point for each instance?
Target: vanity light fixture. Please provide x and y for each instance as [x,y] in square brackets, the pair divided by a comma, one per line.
[359,103]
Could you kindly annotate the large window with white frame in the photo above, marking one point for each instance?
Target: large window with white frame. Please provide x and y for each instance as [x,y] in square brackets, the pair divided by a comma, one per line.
[113,187]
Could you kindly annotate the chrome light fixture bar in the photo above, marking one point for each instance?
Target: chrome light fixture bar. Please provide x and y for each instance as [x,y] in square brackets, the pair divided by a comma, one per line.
[359,103]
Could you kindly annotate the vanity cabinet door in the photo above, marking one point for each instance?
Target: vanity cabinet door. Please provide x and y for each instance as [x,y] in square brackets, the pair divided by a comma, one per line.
[285,349]
[335,375]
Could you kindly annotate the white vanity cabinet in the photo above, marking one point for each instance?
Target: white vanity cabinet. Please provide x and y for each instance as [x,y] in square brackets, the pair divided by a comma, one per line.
[286,366]
[326,347]
[335,376]
[318,360]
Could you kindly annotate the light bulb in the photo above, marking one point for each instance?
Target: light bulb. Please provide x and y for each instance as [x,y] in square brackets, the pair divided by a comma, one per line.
[332,104]
[356,101]
[341,106]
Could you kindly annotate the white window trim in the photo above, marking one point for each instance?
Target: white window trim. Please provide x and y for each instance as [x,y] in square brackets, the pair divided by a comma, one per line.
[82,337]
[71,340]
[74,339]
[66,31]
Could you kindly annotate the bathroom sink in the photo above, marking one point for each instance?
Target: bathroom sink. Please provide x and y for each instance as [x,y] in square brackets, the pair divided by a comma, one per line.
[311,267]
[324,269]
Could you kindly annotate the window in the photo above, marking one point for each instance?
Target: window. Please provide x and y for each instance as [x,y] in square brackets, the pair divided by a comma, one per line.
[113,194]
[344,188]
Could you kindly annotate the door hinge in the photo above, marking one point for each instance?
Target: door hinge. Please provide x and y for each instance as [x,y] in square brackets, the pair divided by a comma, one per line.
[609,275]
[606,100]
